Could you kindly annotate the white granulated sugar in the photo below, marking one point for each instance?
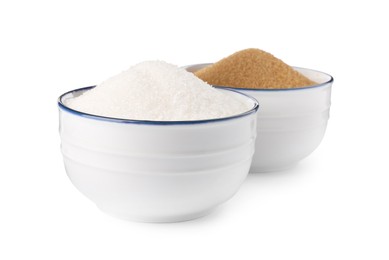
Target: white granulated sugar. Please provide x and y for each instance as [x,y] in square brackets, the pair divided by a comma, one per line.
[156,90]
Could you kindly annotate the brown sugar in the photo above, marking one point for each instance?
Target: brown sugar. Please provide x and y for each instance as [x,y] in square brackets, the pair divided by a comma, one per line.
[254,69]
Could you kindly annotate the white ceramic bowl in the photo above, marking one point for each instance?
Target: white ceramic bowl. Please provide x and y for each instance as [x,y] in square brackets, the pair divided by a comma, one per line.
[291,122]
[157,171]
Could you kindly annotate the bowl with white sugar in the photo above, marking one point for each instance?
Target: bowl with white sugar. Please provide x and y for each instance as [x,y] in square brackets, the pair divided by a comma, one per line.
[156,144]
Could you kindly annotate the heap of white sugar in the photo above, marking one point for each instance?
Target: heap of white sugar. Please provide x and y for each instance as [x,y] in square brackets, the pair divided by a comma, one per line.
[156,90]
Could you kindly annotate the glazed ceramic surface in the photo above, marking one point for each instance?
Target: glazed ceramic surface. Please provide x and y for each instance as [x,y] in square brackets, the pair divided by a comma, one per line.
[291,122]
[157,171]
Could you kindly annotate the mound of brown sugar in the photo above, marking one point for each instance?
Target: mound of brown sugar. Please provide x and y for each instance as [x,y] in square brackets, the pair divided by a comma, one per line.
[255,69]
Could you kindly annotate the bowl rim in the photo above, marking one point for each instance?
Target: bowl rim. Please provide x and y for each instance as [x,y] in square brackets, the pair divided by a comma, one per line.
[64,107]
[328,82]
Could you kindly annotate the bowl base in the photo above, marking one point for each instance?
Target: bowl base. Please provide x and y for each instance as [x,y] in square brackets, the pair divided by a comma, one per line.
[156,219]
[272,169]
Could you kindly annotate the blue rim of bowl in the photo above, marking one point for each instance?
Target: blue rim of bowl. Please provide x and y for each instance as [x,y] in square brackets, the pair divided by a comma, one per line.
[62,106]
[330,81]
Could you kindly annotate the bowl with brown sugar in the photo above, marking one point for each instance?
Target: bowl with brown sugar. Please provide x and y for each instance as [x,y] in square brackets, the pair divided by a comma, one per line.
[295,104]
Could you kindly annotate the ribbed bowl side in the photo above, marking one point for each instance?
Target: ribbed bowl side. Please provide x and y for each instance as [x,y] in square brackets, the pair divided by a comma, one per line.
[157,172]
[291,125]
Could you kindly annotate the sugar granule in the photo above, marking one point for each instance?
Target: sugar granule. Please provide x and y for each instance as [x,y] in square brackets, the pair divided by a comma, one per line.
[254,69]
[156,90]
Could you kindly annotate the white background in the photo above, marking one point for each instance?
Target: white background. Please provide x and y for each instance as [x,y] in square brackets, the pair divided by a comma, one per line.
[333,205]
